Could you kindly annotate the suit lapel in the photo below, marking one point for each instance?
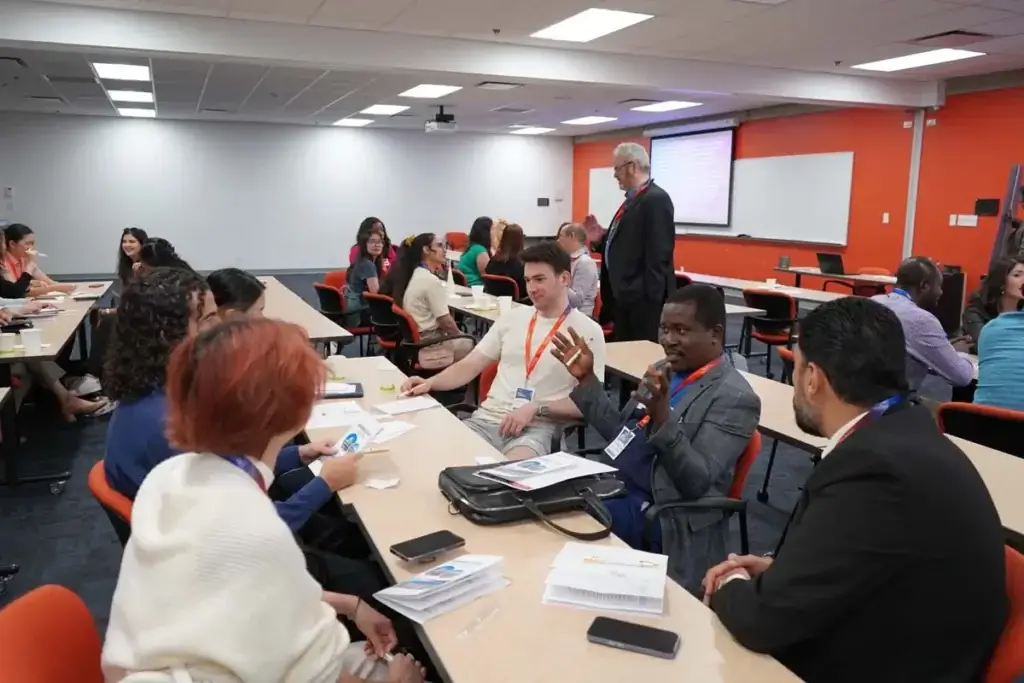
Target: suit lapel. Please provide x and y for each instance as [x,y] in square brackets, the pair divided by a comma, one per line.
[695,391]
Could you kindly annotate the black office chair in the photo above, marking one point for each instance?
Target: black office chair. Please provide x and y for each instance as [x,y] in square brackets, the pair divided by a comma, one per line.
[7,573]
[997,428]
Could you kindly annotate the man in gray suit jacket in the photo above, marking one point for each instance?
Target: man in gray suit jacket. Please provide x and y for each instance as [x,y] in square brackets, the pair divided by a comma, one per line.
[679,438]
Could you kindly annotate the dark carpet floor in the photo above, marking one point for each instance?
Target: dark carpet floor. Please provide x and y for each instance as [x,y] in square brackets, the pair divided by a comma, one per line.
[67,539]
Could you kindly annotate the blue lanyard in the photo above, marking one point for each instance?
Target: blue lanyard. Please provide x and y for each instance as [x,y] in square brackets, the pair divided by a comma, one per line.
[901,292]
[247,466]
[876,411]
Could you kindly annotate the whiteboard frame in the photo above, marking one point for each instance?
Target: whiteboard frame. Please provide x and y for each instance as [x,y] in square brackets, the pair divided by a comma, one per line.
[732,170]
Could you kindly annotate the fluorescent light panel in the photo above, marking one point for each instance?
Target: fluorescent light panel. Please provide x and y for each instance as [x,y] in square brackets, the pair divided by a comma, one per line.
[590,24]
[130,96]
[589,120]
[915,61]
[671,105]
[384,109]
[353,123]
[532,130]
[136,113]
[122,72]
[429,91]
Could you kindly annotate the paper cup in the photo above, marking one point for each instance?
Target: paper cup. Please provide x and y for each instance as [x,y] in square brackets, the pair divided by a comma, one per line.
[771,282]
[504,304]
[32,341]
[478,293]
[7,341]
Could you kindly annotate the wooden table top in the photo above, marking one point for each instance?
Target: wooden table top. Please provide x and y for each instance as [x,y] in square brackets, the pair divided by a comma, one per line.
[736,284]
[284,304]
[1003,473]
[60,329]
[511,631]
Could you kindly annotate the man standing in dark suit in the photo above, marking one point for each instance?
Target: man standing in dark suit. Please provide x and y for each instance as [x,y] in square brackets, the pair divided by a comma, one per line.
[637,271]
[891,569]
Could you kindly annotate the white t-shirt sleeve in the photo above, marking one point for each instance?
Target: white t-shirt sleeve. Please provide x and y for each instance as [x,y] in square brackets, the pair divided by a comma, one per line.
[437,297]
[490,345]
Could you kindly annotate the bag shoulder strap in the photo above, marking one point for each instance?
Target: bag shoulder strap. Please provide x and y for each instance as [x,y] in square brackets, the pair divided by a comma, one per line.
[592,505]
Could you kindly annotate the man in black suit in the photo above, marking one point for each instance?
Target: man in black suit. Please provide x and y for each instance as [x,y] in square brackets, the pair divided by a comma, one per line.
[637,272]
[891,569]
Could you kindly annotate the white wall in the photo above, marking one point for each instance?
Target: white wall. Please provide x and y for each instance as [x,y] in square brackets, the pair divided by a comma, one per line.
[262,196]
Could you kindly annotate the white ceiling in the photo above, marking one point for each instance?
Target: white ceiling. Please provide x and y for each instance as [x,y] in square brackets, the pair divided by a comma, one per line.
[314,61]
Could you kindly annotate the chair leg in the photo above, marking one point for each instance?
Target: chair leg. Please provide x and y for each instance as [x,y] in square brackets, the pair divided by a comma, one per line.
[744,537]
[581,436]
[762,495]
[768,363]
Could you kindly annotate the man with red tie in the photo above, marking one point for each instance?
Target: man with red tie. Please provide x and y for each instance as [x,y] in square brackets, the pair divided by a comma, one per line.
[637,272]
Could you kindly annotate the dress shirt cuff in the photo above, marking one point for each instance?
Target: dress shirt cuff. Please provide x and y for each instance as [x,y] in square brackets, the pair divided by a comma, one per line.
[731,577]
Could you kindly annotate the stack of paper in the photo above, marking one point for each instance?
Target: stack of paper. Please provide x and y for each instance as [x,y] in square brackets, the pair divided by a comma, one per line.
[327,415]
[607,578]
[548,470]
[445,587]
[392,430]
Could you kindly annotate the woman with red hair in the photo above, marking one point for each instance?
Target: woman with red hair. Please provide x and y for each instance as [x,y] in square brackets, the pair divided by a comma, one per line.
[212,585]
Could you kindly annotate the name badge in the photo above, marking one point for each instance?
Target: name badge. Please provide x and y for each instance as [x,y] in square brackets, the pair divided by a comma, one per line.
[523,396]
[615,448]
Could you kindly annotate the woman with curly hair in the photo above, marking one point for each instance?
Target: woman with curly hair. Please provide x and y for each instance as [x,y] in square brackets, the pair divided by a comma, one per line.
[159,253]
[372,225]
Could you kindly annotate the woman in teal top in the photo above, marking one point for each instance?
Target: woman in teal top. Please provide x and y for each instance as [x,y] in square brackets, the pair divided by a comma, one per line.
[1001,363]
[474,260]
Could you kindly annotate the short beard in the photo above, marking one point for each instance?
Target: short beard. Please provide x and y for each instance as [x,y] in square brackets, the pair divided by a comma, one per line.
[805,419]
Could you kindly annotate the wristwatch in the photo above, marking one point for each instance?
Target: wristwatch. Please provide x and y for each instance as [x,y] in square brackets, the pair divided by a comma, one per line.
[542,411]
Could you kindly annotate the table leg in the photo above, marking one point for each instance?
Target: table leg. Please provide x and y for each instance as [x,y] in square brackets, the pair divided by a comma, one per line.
[83,342]
[796,282]
[10,445]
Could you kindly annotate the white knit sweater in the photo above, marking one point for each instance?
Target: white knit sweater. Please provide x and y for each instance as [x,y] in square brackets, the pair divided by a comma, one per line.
[214,589]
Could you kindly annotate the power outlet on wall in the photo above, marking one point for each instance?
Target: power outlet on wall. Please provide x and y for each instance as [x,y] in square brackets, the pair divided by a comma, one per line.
[885,218]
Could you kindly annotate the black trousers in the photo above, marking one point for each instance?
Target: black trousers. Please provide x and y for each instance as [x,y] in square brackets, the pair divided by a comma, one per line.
[637,321]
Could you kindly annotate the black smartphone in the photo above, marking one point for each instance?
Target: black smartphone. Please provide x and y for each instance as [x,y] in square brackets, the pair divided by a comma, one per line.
[426,548]
[633,637]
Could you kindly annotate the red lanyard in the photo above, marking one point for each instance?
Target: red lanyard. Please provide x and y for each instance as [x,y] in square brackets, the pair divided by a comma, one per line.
[15,266]
[622,209]
[690,379]
[532,362]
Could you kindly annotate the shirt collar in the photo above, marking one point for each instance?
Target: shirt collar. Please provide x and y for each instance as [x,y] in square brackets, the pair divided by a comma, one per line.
[582,251]
[834,440]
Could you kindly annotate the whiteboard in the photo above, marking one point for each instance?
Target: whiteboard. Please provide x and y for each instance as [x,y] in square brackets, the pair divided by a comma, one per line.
[605,195]
[796,198]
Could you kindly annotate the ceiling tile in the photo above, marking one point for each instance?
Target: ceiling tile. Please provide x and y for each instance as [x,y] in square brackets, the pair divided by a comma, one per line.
[179,70]
[278,87]
[288,11]
[210,8]
[359,13]
[229,85]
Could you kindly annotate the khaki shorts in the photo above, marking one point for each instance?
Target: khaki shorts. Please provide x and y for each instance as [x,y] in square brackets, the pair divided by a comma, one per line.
[536,437]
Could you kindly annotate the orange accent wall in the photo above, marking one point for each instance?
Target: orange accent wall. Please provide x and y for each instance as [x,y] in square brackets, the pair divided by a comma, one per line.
[881,169]
[966,156]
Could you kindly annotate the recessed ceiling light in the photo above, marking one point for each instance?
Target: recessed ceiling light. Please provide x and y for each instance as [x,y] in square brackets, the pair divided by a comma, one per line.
[532,130]
[122,72]
[670,105]
[590,24]
[918,60]
[498,85]
[589,120]
[430,92]
[353,123]
[129,96]
[137,113]
[384,109]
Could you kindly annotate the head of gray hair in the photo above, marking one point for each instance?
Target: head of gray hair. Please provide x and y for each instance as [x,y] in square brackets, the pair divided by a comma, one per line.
[574,230]
[630,151]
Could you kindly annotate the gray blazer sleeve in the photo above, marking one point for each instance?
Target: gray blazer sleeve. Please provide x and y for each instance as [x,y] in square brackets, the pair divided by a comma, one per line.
[586,280]
[696,460]
[597,409]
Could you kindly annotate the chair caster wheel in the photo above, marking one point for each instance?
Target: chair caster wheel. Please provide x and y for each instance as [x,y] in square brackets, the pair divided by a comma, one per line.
[762,496]
[57,487]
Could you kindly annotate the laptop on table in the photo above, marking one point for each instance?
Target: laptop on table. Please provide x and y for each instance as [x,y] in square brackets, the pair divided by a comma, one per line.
[830,264]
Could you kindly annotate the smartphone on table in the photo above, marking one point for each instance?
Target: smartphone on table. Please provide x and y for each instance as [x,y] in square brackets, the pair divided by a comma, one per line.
[626,635]
[429,547]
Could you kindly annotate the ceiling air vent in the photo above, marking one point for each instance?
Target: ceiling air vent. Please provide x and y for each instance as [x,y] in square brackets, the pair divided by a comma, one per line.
[13,60]
[951,39]
[512,110]
[71,80]
[49,99]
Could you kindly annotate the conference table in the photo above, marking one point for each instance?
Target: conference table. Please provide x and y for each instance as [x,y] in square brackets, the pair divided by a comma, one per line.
[57,332]
[1003,473]
[284,304]
[800,271]
[510,635]
[732,284]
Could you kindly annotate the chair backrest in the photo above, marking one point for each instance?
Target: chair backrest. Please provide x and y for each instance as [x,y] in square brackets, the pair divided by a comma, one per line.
[873,270]
[500,285]
[998,428]
[457,241]
[747,458]
[788,361]
[336,278]
[778,306]
[48,636]
[383,320]
[408,327]
[459,278]
[1007,663]
[683,281]
[117,506]
[486,380]
[332,299]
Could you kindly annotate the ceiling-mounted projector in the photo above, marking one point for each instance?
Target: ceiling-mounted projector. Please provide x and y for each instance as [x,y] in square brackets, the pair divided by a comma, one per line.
[441,123]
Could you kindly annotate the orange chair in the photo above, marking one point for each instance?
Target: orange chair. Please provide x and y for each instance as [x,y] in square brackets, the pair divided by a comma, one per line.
[336,278]
[48,636]
[1007,663]
[332,307]
[861,288]
[998,428]
[457,241]
[383,322]
[732,503]
[117,506]
[788,361]
[501,285]
[408,351]
[773,329]
[609,327]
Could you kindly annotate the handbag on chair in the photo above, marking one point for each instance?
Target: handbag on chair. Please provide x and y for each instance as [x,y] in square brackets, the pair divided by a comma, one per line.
[487,502]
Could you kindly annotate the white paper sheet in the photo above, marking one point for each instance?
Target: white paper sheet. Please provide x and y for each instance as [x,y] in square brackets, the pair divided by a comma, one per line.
[407,405]
[392,429]
[607,578]
[381,484]
[335,414]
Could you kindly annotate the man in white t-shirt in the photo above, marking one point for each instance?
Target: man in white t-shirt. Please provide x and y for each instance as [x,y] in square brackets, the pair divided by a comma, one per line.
[530,392]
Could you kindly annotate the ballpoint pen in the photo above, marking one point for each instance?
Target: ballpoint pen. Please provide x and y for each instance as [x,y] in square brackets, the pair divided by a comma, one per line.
[643,564]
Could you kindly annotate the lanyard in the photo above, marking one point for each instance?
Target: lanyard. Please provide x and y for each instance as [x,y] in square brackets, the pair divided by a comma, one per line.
[15,266]
[531,363]
[901,292]
[622,208]
[690,379]
[876,412]
[249,468]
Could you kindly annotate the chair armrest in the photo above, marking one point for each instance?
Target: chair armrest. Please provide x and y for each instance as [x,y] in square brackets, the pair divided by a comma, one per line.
[701,504]
[848,285]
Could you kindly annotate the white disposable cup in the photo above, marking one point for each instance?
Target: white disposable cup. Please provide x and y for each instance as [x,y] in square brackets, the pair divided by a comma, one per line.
[680,269]
[504,304]
[771,282]
[478,293]
[32,341]
[7,342]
